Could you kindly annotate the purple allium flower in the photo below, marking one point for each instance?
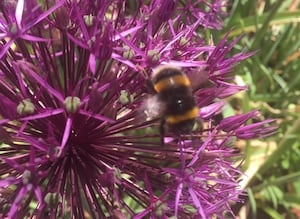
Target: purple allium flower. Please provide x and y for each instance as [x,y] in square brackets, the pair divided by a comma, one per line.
[75,142]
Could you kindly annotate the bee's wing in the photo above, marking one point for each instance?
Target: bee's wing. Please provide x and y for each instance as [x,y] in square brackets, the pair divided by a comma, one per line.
[153,107]
[199,78]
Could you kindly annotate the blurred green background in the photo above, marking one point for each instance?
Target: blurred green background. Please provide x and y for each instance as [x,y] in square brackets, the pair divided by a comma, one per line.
[272,165]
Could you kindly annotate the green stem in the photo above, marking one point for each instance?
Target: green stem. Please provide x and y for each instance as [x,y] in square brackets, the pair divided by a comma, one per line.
[292,135]
[279,181]
[249,24]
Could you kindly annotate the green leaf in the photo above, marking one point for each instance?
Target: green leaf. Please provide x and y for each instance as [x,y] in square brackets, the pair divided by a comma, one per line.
[273,213]
[252,202]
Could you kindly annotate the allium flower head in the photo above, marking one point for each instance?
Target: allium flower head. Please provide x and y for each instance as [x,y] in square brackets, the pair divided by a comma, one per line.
[75,142]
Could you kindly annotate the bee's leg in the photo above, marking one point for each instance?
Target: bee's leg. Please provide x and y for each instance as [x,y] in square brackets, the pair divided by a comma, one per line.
[162,131]
[149,86]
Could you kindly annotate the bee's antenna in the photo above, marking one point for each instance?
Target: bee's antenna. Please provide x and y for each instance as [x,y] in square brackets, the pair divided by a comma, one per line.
[147,77]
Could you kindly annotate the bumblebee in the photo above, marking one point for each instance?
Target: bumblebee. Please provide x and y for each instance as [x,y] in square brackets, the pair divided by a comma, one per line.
[173,100]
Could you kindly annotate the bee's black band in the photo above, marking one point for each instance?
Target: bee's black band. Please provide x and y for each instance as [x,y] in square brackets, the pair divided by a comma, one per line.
[178,100]
[166,73]
[182,127]
[174,91]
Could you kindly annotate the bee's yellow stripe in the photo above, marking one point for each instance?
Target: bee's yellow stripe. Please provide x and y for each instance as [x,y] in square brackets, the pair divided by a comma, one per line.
[171,81]
[191,114]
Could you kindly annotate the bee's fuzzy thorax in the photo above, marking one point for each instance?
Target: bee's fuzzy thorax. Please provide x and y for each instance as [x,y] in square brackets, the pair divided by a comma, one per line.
[173,91]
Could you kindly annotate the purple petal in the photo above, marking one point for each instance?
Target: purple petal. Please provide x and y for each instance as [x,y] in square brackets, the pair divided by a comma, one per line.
[66,134]
[234,122]
[44,114]
[177,198]
[19,12]
[38,194]
[197,203]
[257,130]
[15,205]
[97,116]
[211,110]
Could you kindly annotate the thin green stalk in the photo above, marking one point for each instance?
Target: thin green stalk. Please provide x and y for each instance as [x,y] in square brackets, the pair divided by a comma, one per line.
[278,181]
[248,25]
[292,135]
